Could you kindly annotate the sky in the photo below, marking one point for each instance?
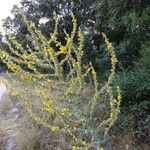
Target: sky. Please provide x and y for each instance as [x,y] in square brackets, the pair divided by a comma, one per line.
[5,8]
[5,11]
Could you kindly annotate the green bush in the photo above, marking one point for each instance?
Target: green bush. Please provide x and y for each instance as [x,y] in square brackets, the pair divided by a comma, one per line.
[135,83]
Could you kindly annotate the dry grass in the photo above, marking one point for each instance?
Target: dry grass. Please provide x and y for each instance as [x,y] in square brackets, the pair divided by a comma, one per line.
[127,141]
[1,138]
[29,140]
[35,137]
[5,104]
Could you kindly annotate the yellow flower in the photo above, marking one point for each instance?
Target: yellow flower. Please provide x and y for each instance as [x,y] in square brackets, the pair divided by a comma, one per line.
[119,97]
[63,49]
[55,129]
[50,110]
[75,148]
[14,93]
[53,38]
[84,143]
[50,51]
[114,61]
[110,46]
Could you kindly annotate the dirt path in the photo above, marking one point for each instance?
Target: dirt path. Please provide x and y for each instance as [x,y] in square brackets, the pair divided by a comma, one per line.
[9,120]
[3,89]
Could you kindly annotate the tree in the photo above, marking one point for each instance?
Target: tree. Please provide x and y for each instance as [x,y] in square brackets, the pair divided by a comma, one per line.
[122,21]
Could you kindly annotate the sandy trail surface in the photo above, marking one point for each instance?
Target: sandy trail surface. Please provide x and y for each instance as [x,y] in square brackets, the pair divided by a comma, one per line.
[9,122]
[3,89]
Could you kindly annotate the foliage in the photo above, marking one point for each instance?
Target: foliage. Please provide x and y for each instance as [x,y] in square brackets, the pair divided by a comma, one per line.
[38,9]
[122,21]
[135,121]
[74,112]
[135,84]
[142,119]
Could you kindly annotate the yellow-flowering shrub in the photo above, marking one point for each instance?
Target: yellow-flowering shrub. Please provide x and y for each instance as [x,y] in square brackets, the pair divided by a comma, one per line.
[53,96]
